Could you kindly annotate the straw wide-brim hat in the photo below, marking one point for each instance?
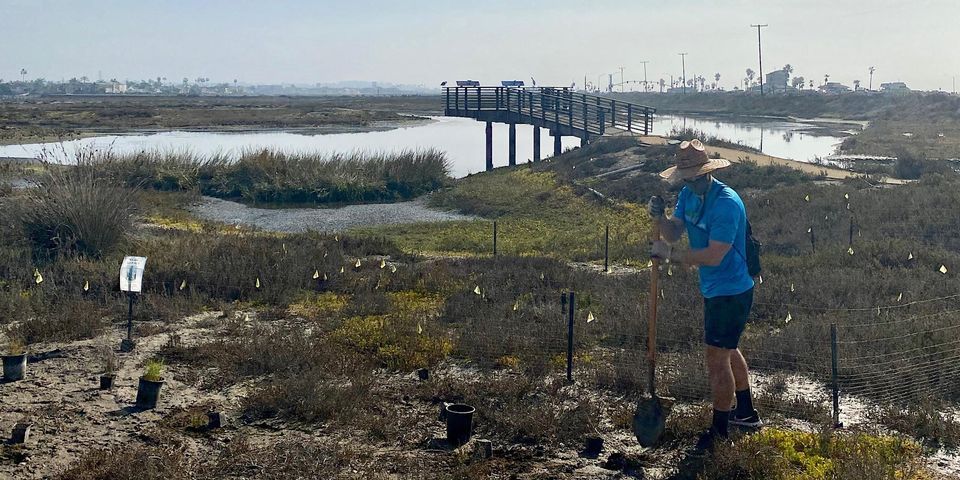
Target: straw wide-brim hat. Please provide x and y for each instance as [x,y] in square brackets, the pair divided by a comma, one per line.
[692,161]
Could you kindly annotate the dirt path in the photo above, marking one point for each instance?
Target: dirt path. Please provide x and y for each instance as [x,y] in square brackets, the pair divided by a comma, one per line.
[831,173]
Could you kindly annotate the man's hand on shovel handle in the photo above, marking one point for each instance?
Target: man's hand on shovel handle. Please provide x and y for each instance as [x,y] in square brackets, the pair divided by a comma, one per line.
[658,207]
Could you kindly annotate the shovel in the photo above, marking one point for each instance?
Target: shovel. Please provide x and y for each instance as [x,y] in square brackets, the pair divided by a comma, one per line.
[651,416]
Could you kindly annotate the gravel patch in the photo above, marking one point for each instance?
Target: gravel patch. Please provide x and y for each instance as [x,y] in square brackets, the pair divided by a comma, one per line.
[328,220]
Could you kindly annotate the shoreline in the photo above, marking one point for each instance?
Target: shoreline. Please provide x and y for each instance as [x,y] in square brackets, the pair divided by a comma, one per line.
[329,129]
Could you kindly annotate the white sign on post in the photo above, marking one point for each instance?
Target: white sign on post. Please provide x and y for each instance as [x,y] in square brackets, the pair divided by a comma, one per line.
[131,274]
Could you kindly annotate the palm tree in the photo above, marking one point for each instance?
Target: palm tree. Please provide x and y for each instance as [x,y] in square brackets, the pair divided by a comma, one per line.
[23,74]
[826,78]
[811,84]
[788,68]
[871,76]
[856,85]
[797,82]
[662,84]
[751,74]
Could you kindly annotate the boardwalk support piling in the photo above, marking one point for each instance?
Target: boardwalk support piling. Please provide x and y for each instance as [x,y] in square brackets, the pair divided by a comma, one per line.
[489,146]
[536,144]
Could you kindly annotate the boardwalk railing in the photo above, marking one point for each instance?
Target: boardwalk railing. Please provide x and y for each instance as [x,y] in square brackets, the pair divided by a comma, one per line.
[556,108]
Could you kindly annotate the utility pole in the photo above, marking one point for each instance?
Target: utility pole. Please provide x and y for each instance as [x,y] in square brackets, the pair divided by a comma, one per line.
[760,54]
[645,62]
[683,64]
[621,79]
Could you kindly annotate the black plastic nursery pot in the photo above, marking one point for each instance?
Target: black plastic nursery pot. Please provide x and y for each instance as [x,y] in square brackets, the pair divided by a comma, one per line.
[459,423]
[148,392]
[106,381]
[14,367]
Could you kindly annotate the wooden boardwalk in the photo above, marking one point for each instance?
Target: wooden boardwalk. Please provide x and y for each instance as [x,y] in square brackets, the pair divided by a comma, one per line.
[560,110]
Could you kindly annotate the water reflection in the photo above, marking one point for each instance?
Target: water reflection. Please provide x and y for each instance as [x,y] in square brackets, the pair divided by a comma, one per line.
[462,139]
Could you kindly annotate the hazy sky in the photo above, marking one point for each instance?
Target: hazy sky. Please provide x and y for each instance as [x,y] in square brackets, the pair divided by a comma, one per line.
[418,42]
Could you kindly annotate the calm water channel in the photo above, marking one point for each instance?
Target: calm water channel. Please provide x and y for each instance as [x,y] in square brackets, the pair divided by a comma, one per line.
[462,140]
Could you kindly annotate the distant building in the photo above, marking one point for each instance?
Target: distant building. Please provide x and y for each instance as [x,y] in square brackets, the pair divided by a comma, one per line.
[894,87]
[834,88]
[777,81]
[116,88]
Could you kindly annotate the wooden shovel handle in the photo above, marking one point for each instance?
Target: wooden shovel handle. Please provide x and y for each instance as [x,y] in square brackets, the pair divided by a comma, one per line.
[652,313]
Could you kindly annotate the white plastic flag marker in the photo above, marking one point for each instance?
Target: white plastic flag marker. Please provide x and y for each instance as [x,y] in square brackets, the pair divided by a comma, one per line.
[806,198]
[324,277]
[826,217]
[37,277]
[477,290]
[943,269]
[383,263]
[541,276]
[649,263]
[910,257]
[590,317]
[336,238]
[86,286]
[850,250]
[377,287]
[283,246]
[900,297]
[662,295]
[341,269]
[316,274]
[393,269]
[809,229]
[419,329]
[258,282]
[358,263]
[670,270]
[760,279]
[791,288]
[846,196]
[878,310]
[787,320]
[848,206]
[324,254]
[516,306]
[183,284]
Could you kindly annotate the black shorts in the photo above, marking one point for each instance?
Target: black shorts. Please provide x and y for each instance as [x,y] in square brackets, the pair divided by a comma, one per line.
[724,319]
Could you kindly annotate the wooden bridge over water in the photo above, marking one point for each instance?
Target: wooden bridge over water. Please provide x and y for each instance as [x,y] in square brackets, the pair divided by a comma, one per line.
[559,109]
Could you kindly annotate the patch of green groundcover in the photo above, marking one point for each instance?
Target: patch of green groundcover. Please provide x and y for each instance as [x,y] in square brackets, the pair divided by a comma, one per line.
[536,214]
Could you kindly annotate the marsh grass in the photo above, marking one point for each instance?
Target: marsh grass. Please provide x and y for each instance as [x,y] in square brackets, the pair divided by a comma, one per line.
[272,177]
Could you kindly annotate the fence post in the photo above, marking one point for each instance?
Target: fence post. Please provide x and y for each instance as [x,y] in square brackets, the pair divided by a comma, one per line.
[835,383]
[494,238]
[570,312]
[851,230]
[606,250]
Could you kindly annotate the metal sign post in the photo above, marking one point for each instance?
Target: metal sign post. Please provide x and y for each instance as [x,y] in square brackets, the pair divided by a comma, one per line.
[131,281]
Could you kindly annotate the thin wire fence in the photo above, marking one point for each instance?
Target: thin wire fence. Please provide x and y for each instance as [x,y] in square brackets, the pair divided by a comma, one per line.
[891,353]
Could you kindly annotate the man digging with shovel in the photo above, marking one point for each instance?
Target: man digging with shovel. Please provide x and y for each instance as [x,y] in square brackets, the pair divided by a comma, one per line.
[716,224]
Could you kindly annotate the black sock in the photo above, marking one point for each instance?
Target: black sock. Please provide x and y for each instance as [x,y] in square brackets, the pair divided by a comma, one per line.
[720,419]
[744,403]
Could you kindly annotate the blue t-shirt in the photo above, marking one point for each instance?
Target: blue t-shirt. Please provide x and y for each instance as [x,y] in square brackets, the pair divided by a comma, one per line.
[725,220]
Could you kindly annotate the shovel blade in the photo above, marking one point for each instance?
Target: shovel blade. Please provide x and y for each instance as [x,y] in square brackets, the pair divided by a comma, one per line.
[649,421]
